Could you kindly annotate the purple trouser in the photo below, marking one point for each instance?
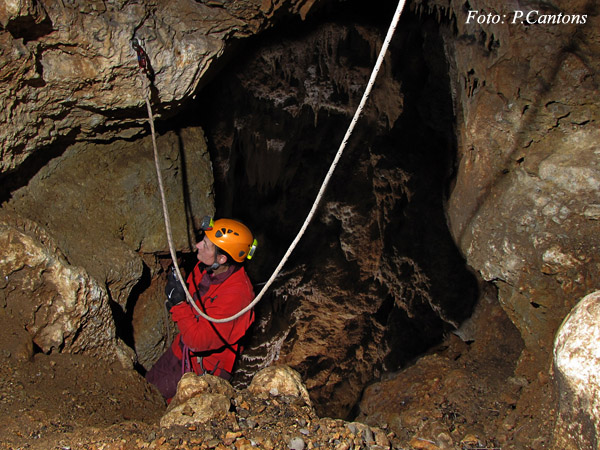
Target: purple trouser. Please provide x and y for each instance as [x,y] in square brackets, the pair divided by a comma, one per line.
[165,374]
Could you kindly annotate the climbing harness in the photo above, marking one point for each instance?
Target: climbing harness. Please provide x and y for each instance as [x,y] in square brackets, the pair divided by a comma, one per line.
[146,69]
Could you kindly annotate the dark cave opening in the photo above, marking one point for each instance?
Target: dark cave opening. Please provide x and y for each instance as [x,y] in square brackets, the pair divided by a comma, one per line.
[273,121]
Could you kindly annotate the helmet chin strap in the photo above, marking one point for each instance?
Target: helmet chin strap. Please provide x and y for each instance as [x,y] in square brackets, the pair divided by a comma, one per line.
[216,264]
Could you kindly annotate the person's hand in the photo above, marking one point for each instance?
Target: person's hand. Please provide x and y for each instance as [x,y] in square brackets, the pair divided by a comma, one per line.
[174,290]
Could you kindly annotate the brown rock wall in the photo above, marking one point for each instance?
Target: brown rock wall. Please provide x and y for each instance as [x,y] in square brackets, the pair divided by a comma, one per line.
[102,203]
[523,207]
[152,330]
[59,305]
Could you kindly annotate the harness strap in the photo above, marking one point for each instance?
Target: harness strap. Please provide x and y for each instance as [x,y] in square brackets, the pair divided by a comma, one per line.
[186,365]
[186,361]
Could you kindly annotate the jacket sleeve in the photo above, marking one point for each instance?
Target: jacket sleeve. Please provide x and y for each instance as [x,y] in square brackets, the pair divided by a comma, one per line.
[202,335]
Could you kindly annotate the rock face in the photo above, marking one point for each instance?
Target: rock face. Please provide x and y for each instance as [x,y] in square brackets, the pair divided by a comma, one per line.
[152,329]
[61,306]
[465,393]
[524,207]
[70,70]
[102,203]
[577,369]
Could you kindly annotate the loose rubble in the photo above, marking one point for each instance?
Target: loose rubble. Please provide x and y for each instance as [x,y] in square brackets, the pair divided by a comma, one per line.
[207,413]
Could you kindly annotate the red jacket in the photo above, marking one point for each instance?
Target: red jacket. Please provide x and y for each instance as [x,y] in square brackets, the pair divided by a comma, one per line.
[216,343]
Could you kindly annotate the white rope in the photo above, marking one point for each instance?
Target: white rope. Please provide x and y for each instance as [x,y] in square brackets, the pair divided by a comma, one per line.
[161,187]
[310,215]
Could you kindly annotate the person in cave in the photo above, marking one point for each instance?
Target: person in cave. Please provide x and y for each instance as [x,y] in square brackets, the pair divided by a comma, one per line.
[221,288]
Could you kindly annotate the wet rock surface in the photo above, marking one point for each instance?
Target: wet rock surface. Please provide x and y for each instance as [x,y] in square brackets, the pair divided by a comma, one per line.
[576,368]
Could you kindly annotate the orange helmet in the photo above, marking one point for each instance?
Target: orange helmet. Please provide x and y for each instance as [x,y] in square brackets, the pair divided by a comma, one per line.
[232,237]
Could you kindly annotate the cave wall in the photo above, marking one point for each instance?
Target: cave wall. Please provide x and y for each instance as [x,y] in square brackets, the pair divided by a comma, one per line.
[100,206]
[68,69]
[524,206]
[102,202]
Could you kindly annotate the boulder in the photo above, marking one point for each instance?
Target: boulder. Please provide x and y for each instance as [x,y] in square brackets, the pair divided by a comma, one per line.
[153,329]
[577,374]
[280,380]
[61,307]
[198,399]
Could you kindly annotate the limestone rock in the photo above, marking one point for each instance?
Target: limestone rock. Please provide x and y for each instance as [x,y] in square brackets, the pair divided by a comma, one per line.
[577,372]
[197,410]
[62,308]
[153,329]
[102,203]
[16,15]
[68,68]
[522,206]
[192,385]
[280,380]
[198,399]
